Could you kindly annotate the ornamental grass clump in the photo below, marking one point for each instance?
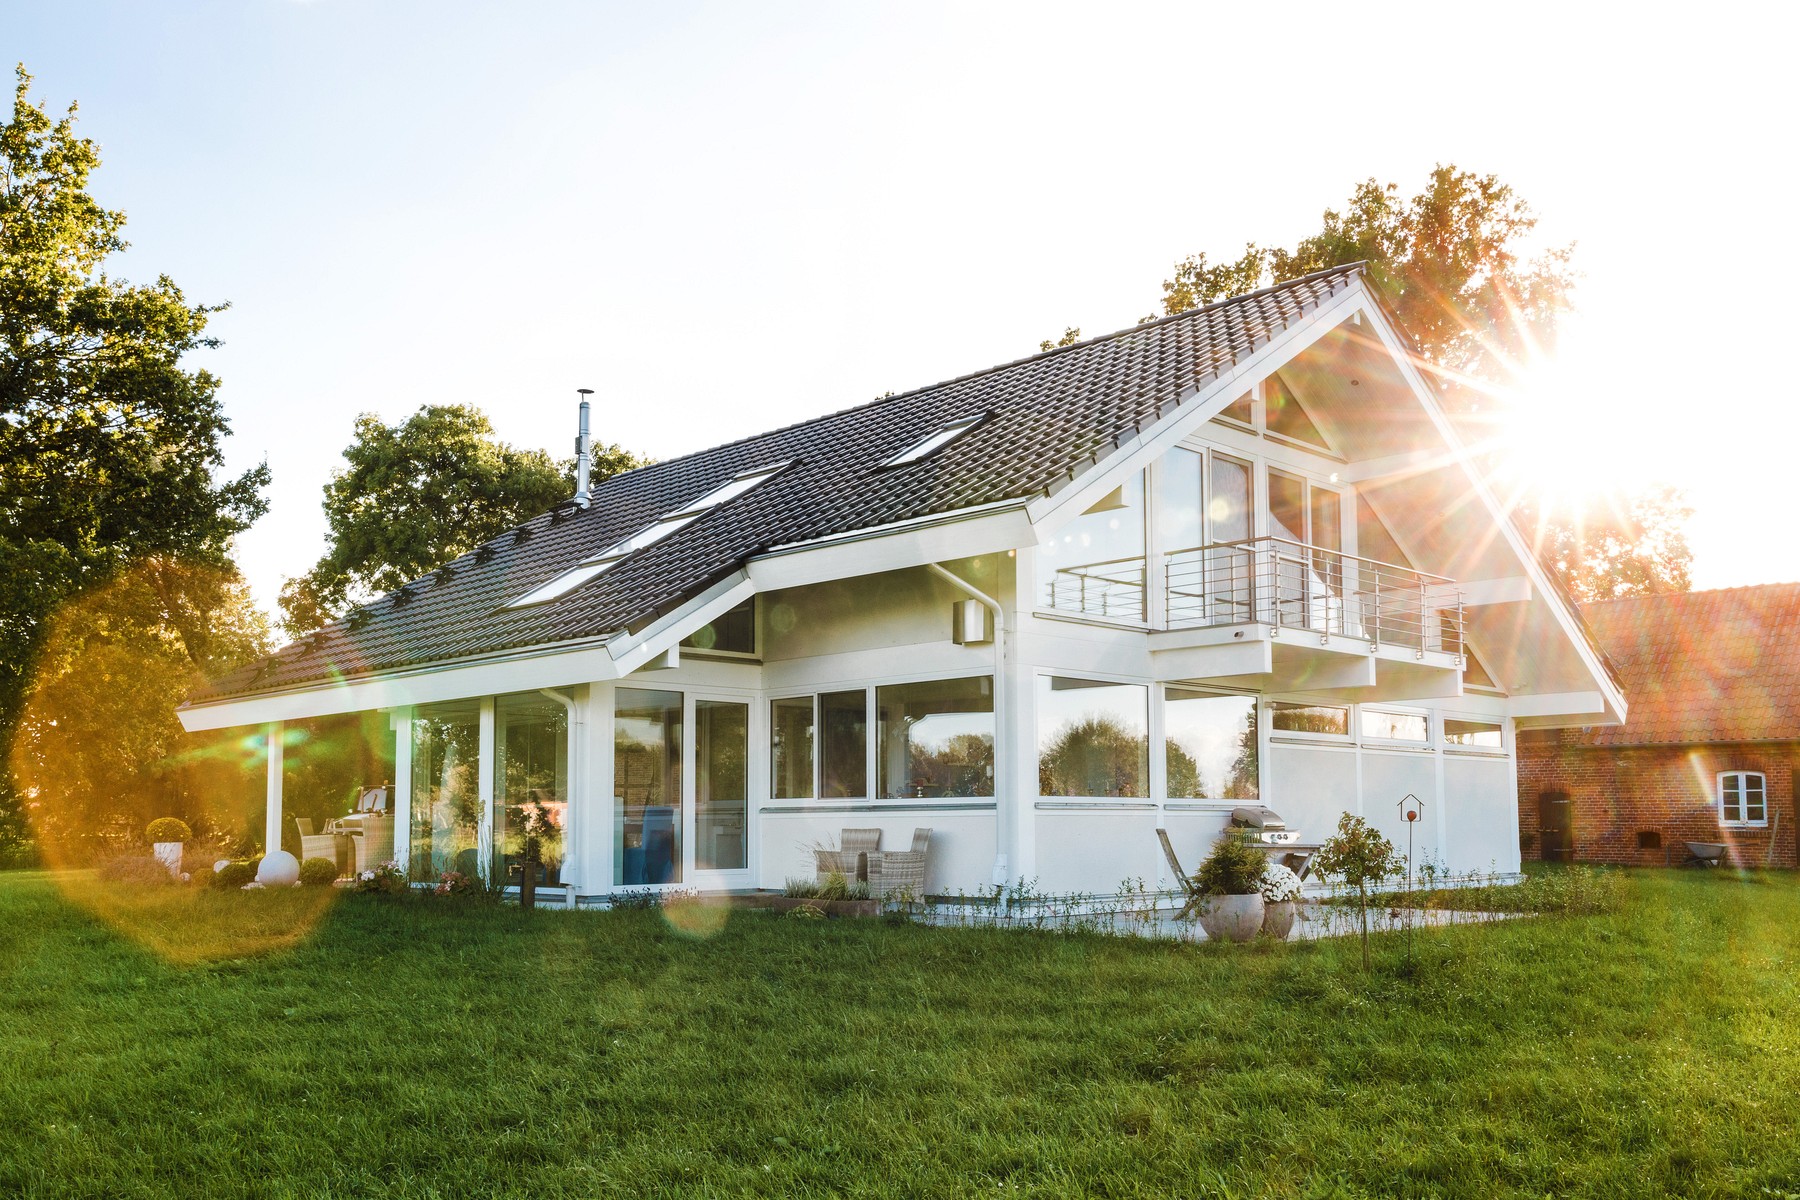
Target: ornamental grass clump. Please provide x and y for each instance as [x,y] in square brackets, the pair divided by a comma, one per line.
[136,871]
[1233,868]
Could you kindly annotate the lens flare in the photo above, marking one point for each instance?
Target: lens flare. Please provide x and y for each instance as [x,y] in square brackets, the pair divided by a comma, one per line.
[99,753]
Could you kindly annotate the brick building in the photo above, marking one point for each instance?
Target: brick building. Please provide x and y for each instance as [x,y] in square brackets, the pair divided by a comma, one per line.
[1710,751]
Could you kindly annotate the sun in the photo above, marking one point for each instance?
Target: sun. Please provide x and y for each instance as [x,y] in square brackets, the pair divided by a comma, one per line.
[1566,439]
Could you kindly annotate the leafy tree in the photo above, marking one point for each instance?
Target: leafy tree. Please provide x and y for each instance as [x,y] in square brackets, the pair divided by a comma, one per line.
[419,493]
[98,750]
[1359,855]
[109,448]
[1070,336]
[1448,261]
[1631,546]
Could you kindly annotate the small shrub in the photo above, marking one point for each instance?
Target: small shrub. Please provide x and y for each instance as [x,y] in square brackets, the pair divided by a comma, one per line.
[234,875]
[318,872]
[169,829]
[806,912]
[834,887]
[640,900]
[455,883]
[1233,868]
[136,871]
[385,880]
[801,889]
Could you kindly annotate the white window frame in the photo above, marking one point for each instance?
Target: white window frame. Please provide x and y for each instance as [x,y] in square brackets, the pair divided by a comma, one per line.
[1743,821]
[1348,737]
[1450,747]
[1424,743]
[663,527]
[934,441]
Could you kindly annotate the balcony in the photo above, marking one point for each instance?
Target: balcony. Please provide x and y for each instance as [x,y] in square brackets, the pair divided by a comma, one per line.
[1273,614]
[1288,585]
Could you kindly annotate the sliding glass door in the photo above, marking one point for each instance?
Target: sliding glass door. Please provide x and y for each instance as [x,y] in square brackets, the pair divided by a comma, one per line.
[681,803]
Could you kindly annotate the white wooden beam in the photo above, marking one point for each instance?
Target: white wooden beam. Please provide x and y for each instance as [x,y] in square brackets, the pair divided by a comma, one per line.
[272,735]
[1558,704]
[1514,589]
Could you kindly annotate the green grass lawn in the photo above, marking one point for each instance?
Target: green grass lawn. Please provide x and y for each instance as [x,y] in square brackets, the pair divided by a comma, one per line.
[282,1044]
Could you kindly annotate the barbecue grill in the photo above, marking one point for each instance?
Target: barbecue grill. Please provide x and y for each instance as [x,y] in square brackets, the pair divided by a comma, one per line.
[1263,824]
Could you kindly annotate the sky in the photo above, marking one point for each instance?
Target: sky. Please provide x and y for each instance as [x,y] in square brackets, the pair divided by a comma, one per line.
[727,217]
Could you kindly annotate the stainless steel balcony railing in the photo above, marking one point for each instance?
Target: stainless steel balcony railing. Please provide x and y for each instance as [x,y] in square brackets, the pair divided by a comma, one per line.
[1114,588]
[1273,581]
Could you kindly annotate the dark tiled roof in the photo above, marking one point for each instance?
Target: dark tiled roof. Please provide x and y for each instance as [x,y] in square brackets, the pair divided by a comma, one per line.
[1721,666]
[1049,417]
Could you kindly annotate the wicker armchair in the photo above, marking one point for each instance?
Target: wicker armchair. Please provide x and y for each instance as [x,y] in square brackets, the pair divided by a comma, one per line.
[851,859]
[323,845]
[897,872]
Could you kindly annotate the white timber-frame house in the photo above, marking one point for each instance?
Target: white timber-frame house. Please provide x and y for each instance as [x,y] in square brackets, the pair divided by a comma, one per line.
[1239,554]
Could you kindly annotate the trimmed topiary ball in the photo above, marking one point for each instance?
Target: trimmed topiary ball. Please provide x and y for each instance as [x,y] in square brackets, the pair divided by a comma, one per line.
[318,872]
[233,875]
[169,829]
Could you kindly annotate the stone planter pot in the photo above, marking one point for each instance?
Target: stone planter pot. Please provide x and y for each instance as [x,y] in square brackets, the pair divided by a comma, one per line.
[1231,918]
[1278,918]
[169,855]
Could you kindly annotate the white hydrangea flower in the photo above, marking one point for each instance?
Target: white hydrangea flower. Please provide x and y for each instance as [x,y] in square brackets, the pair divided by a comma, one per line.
[1279,883]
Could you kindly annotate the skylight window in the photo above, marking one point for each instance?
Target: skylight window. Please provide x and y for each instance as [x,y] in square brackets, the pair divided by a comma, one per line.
[942,436]
[651,534]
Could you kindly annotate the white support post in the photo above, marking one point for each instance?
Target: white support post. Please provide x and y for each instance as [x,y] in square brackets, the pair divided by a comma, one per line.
[597,819]
[272,733]
[401,721]
[484,793]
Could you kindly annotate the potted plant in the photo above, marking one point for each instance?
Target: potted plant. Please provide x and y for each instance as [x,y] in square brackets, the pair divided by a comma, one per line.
[1229,879]
[167,835]
[1280,890]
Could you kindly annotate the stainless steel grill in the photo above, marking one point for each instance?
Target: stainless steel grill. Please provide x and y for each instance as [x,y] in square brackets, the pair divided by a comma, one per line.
[1264,824]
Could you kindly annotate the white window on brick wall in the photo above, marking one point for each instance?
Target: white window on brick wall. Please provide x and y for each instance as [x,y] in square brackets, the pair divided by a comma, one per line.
[1743,798]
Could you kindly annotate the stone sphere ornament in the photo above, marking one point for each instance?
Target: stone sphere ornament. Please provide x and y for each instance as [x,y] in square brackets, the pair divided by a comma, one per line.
[278,869]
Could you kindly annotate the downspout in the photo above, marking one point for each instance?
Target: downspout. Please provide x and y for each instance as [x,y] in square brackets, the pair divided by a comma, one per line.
[577,744]
[1007,822]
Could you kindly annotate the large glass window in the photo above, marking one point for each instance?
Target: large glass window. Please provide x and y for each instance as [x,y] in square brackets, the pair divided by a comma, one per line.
[731,632]
[1093,738]
[1485,734]
[647,731]
[937,738]
[1210,744]
[1286,418]
[844,717]
[446,795]
[1394,726]
[721,785]
[791,748]
[1309,718]
[1743,798]
[1095,565]
[531,784]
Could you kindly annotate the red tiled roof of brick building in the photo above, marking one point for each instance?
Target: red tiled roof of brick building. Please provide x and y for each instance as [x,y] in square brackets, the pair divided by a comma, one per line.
[1718,666]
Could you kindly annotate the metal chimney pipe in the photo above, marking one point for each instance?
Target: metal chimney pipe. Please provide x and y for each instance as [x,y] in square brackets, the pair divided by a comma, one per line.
[584,456]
